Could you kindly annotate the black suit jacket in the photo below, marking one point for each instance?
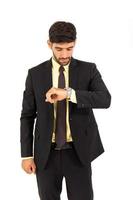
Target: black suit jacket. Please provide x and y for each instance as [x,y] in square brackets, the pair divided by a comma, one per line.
[91,92]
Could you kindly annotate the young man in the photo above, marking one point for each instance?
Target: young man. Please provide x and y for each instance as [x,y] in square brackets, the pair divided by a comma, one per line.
[60,94]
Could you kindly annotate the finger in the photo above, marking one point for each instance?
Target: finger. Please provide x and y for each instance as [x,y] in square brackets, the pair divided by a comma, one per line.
[52,89]
[48,95]
[47,98]
[28,170]
[53,96]
[51,101]
[34,169]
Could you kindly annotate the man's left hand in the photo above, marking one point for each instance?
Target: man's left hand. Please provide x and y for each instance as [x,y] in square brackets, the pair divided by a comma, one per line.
[55,94]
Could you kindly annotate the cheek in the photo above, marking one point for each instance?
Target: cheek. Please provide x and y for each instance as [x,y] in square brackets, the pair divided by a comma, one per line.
[70,53]
[57,54]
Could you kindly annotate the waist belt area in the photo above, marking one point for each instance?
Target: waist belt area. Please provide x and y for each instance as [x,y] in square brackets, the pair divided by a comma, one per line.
[67,145]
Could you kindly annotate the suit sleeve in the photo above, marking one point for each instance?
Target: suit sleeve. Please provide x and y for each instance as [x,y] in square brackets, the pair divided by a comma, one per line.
[97,95]
[28,115]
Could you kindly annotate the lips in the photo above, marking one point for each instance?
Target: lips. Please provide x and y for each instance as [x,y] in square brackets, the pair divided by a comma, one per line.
[63,59]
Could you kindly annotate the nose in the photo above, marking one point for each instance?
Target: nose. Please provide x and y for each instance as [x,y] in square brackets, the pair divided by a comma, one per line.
[64,54]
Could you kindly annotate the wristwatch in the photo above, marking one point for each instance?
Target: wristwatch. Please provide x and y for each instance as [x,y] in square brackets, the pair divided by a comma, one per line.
[69,91]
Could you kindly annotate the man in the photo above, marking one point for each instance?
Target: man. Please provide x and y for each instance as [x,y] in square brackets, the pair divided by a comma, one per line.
[60,94]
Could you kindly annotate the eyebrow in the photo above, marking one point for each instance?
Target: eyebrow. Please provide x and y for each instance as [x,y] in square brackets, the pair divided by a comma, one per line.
[64,48]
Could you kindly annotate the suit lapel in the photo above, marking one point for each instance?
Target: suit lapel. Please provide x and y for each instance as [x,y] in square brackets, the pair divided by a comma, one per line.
[73,74]
[48,74]
[73,78]
[48,82]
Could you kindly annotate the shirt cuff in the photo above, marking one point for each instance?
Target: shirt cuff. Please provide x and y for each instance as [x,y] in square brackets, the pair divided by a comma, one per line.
[24,158]
[73,96]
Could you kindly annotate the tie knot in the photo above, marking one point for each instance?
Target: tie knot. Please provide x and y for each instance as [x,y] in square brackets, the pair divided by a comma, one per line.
[61,69]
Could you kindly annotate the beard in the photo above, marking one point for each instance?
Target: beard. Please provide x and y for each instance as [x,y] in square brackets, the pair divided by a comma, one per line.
[62,61]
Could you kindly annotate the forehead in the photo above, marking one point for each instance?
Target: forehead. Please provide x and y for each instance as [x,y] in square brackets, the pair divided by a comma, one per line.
[64,45]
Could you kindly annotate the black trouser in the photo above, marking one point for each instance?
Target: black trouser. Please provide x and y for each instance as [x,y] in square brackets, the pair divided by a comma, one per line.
[65,163]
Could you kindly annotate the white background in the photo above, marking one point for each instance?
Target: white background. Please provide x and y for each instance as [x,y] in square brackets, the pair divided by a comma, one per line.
[105,36]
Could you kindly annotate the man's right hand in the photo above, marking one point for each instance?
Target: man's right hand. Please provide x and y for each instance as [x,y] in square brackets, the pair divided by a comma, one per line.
[29,166]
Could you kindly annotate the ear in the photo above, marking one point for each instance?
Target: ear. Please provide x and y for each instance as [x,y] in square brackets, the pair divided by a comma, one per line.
[49,44]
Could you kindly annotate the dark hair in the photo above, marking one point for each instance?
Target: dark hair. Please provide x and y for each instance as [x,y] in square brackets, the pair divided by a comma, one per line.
[62,31]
